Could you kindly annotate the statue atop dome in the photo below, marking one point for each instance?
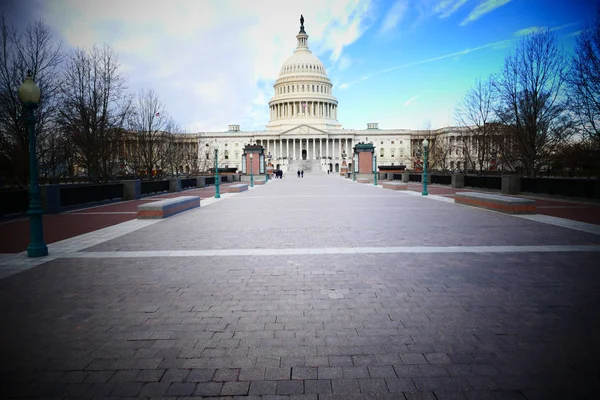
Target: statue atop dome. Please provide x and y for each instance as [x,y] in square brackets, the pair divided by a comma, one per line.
[301,24]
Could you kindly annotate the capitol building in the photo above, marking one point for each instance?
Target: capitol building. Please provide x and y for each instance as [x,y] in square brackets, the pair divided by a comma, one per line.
[304,132]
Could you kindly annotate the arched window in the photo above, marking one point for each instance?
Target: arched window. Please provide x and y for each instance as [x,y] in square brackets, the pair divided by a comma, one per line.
[392,152]
[313,88]
[381,152]
[226,154]
[303,88]
[237,155]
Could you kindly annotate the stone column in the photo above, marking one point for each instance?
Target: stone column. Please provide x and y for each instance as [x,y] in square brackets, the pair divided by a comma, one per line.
[294,147]
[327,147]
[511,184]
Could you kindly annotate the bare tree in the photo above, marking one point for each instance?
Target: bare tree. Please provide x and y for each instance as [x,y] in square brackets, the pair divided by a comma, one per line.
[476,115]
[531,101]
[33,49]
[174,152]
[93,107]
[584,81]
[149,122]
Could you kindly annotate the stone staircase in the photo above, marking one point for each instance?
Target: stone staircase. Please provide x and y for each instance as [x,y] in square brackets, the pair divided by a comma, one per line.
[308,166]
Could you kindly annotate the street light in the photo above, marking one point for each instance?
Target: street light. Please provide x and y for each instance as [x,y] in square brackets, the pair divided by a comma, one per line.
[215,147]
[425,148]
[29,94]
[354,167]
[251,170]
[374,169]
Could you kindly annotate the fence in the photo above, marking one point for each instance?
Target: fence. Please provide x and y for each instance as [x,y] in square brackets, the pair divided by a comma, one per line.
[149,187]
[71,195]
[188,183]
[585,188]
[441,179]
[414,178]
[484,182]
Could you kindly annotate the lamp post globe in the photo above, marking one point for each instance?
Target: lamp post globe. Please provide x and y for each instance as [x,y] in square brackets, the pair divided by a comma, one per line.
[251,170]
[29,94]
[425,150]
[215,147]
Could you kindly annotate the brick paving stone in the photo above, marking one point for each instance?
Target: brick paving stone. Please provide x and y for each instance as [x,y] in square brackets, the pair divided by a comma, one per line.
[340,361]
[304,373]
[277,374]
[317,386]
[208,389]
[376,386]
[154,389]
[128,375]
[175,375]
[263,387]
[382,372]
[419,396]
[226,375]
[355,372]
[99,376]
[181,389]
[126,389]
[235,388]
[149,375]
[290,387]
[330,373]
[397,385]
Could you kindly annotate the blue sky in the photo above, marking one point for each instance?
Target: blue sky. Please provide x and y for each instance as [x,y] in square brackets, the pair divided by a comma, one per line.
[403,63]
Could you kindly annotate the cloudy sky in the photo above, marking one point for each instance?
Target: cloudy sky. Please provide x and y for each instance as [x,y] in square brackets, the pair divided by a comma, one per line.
[402,63]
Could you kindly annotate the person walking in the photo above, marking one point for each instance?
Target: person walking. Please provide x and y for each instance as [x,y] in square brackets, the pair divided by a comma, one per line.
[302,173]
[327,171]
[298,173]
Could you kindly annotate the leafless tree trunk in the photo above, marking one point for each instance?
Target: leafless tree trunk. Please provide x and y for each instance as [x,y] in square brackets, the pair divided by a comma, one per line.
[34,50]
[584,83]
[531,101]
[94,105]
[476,115]
[174,148]
[149,122]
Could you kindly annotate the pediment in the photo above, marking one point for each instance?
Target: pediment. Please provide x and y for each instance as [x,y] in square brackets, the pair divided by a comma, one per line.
[304,130]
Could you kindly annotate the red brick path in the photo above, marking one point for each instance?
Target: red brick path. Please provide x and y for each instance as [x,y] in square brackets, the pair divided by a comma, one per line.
[15,233]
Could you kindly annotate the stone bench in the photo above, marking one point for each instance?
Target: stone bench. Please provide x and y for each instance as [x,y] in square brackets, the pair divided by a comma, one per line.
[394,185]
[363,180]
[240,187]
[505,204]
[259,182]
[165,208]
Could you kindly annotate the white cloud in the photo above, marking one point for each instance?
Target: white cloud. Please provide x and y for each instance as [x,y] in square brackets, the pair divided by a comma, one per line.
[394,15]
[212,62]
[530,30]
[407,102]
[448,7]
[495,45]
[483,8]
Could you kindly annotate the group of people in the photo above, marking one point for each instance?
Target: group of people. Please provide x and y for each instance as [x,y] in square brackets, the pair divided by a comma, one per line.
[278,174]
[301,173]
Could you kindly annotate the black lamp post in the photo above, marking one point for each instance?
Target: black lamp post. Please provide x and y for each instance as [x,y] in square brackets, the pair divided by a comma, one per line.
[29,94]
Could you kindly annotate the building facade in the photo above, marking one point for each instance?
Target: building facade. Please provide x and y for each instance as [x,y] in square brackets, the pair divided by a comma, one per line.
[304,132]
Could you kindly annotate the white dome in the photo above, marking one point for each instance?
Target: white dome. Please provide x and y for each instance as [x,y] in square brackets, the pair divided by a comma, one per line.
[303,61]
[303,92]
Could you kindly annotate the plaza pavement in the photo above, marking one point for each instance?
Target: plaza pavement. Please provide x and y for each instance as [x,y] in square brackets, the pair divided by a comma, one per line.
[312,288]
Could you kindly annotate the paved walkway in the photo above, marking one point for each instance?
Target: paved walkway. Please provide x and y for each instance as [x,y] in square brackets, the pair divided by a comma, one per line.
[313,288]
